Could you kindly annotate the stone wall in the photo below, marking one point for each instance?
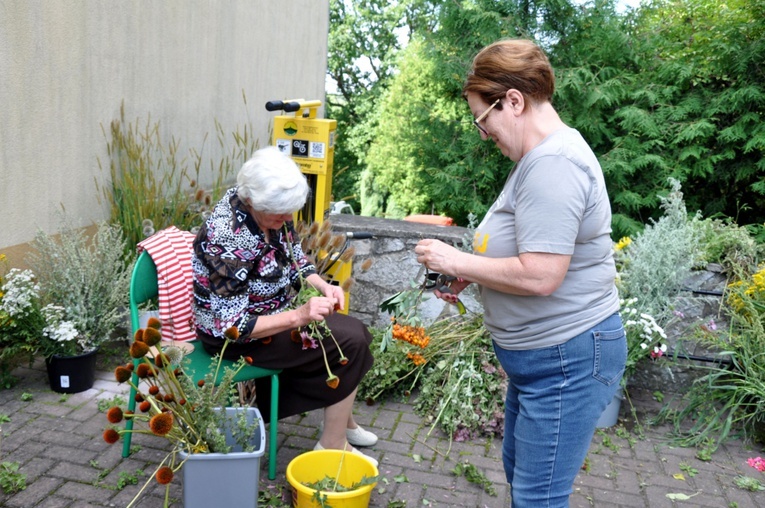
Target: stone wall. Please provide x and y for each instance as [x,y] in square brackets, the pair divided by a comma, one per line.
[395,265]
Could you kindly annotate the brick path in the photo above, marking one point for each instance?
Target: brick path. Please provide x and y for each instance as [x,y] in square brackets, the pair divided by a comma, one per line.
[57,440]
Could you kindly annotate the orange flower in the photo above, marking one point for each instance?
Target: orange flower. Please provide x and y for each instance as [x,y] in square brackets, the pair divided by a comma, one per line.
[153,390]
[138,335]
[295,336]
[248,360]
[154,323]
[201,383]
[266,340]
[114,415]
[161,360]
[152,336]
[169,397]
[139,397]
[344,361]
[164,475]
[143,371]
[160,424]
[144,406]
[121,374]
[333,381]
[138,349]
[231,333]
[111,436]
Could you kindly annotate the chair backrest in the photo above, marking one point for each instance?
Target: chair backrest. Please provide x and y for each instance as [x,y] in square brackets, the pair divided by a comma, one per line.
[143,286]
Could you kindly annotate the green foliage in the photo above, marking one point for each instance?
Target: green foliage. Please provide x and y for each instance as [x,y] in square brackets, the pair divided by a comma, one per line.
[749,483]
[127,478]
[103,405]
[731,396]
[88,277]
[364,39]
[680,96]
[725,242]
[11,481]
[461,385]
[673,89]
[657,262]
[474,475]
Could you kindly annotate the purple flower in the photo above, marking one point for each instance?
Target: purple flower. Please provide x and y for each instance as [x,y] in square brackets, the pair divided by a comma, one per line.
[308,341]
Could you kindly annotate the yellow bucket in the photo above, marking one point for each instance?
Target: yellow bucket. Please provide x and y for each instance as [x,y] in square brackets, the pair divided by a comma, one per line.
[311,467]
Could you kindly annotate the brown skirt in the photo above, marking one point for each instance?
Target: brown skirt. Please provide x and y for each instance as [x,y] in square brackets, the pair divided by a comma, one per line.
[302,383]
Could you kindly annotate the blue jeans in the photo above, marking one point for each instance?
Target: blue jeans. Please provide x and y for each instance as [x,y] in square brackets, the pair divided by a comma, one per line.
[555,396]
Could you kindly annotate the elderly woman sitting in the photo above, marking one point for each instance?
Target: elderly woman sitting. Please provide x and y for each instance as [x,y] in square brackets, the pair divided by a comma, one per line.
[248,265]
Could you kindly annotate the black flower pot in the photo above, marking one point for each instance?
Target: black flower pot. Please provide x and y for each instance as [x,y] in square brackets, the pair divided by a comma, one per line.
[72,374]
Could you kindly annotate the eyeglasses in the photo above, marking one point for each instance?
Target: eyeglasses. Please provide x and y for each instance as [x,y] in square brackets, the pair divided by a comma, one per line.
[477,121]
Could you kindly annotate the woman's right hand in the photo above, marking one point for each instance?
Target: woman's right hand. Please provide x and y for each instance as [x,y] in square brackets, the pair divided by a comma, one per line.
[456,287]
[316,309]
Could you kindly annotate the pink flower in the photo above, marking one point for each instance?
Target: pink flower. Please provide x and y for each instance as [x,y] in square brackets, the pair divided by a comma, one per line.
[658,351]
[758,463]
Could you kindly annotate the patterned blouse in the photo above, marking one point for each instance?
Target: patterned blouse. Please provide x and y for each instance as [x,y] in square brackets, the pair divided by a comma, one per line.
[238,276]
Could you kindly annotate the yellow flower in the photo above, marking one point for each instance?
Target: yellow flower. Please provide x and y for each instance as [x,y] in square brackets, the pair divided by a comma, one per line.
[622,243]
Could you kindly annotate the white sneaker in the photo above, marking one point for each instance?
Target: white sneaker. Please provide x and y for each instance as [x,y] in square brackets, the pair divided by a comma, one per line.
[357,436]
[360,437]
[352,450]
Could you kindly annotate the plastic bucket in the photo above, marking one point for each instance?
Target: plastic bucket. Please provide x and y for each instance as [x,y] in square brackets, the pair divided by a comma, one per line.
[311,467]
[226,479]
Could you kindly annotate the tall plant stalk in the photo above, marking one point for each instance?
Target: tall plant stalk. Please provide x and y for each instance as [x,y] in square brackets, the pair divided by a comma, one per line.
[153,185]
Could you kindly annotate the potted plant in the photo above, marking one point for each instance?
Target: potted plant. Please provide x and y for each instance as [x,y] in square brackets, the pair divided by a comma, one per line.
[215,443]
[83,282]
[25,320]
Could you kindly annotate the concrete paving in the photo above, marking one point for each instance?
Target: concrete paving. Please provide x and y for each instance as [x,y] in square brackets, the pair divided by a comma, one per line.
[57,441]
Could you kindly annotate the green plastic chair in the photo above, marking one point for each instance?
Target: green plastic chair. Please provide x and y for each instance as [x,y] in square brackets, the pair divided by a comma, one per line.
[143,287]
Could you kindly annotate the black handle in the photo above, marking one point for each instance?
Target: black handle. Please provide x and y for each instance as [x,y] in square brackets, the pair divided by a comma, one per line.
[359,235]
[289,107]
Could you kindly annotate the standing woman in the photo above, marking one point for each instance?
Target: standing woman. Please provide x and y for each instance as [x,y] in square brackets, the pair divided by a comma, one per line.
[248,265]
[543,260]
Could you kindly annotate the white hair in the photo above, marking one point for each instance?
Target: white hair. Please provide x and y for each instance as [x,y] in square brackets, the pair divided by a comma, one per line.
[271,182]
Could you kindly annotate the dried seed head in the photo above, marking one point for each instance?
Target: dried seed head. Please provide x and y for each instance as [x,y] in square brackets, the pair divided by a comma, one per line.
[348,254]
[337,242]
[367,264]
[324,240]
[313,229]
[347,284]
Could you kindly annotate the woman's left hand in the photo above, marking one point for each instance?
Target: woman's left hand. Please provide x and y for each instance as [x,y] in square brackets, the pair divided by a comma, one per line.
[436,255]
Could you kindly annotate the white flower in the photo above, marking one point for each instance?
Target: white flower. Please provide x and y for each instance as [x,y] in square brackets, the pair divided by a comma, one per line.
[61,332]
[20,291]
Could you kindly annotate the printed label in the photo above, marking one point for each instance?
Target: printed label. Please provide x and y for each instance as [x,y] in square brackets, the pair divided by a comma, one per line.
[317,150]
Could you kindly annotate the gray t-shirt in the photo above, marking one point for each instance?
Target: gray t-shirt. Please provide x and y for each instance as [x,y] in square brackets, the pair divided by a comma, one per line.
[554,201]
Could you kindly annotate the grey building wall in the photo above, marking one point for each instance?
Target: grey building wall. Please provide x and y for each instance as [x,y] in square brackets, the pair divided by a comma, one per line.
[66,66]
